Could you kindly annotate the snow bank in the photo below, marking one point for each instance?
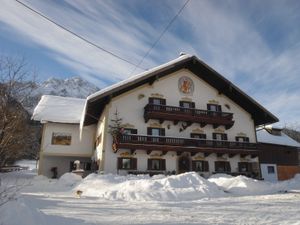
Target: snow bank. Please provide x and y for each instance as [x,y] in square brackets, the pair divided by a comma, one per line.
[69,180]
[242,185]
[187,186]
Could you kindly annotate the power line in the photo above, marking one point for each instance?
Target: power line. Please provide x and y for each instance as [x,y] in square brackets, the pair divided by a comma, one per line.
[160,36]
[77,35]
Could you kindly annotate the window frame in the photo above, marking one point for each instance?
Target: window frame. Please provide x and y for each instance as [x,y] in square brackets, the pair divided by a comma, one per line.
[204,165]
[133,163]
[245,139]
[161,165]
[226,167]
[193,135]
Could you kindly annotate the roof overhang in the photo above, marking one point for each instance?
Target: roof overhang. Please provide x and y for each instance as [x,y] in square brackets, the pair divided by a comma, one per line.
[96,102]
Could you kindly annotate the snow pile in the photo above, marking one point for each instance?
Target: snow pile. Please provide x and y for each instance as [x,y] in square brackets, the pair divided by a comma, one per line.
[242,185]
[69,180]
[183,187]
[290,185]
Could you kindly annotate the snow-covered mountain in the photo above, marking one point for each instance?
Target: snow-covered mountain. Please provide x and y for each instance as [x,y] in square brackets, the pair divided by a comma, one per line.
[71,87]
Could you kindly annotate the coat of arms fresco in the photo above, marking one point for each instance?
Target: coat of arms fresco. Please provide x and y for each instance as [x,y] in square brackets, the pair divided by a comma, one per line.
[186,85]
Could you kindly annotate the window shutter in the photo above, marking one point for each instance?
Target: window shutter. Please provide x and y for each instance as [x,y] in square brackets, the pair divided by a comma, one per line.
[236,139]
[246,139]
[205,166]
[150,100]
[224,137]
[162,132]
[133,131]
[214,136]
[133,163]
[163,101]
[162,164]
[203,136]
[193,105]
[193,165]
[249,167]
[240,166]
[119,163]
[208,107]
[149,130]
[227,167]
[181,103]
[149,164]
[219,108]
[217,166]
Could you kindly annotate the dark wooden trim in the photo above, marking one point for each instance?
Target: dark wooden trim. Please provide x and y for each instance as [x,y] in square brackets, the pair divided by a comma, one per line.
[165,144]
[188,115]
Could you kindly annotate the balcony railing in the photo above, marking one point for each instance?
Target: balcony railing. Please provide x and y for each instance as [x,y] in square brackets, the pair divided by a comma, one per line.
[143,140]
[189,115]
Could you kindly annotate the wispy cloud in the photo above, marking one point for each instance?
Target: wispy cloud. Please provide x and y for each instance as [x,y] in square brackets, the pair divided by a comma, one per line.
[255,44]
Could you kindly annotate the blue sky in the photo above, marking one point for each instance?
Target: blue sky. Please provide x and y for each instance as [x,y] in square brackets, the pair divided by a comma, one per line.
[255,44]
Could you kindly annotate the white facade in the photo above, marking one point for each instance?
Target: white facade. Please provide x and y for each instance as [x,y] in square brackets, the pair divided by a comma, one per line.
[60,156]
[129,99]
[130,107]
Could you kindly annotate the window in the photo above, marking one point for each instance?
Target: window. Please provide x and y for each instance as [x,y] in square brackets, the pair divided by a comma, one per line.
[155,132]
[213,109]
[220,139]
[222,166]
[129,131]
[198,136]
[245,167]
[241,139]
[157,101]
[61,138]
[220,136]
[271,169]
[156,164]
[200,166]
[127,163]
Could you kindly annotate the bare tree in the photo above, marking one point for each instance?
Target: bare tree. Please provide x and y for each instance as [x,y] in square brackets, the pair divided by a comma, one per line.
[16,84]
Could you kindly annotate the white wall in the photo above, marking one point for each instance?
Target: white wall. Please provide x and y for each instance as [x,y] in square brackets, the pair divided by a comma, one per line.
[78,147]
[130,106]
[61,162]
[272,177]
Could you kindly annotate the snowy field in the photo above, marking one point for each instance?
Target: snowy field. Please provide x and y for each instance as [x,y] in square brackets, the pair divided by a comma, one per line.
[178,199]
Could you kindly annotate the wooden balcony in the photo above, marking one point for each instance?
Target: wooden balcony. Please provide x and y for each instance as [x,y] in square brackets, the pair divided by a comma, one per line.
[188,115]
[165,144]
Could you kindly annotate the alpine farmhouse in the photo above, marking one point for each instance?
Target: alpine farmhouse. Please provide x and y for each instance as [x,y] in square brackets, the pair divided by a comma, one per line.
[178,117]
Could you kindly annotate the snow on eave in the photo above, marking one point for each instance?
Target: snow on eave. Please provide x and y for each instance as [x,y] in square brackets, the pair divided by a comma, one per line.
[58,109]
[263,136]
[136,77]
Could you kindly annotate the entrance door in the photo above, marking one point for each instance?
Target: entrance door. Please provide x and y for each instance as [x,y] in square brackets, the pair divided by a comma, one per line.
[184,164]
[269,172]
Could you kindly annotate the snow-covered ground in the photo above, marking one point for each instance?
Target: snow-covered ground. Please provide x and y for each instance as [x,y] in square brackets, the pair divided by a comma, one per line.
[179,199]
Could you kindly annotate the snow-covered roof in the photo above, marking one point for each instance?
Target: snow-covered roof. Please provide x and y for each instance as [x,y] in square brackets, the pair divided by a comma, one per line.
[96,102]
[138,76]
[58,109]
[264,136]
